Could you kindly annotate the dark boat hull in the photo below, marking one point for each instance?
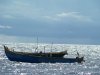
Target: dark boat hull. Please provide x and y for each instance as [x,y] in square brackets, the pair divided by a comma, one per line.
[20,57]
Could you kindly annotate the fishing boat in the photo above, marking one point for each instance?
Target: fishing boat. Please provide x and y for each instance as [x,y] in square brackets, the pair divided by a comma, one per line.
[40,57]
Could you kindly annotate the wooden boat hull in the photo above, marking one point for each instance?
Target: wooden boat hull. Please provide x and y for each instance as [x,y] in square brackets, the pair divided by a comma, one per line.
[21,57]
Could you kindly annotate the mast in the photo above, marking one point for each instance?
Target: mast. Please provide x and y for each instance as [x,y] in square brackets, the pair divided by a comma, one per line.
[44,49]
[37,42]
[36,50]
[51,50]
[51,47]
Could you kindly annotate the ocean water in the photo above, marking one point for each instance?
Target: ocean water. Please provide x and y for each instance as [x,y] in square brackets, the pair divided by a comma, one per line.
[91,66]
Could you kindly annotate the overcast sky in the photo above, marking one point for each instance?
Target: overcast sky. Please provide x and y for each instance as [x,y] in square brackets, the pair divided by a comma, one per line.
[58,21]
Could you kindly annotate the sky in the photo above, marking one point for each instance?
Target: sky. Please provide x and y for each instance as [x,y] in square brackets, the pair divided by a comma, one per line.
[58,21]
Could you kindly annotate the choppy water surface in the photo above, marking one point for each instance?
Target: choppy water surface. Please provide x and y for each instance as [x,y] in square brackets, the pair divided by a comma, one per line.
[91,66]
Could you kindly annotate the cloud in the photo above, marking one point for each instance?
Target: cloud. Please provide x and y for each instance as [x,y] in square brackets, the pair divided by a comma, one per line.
[69,15]
[19,9]
[5,27]
[25,9]
[54,18]
[63,14]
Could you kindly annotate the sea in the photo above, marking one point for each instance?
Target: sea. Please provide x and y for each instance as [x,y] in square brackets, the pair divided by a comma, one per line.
[91,54]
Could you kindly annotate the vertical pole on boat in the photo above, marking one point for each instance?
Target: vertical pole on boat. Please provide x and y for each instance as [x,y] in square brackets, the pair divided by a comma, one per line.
[51,50]
[36,45]
[78,55]
[44,49]
[51,47]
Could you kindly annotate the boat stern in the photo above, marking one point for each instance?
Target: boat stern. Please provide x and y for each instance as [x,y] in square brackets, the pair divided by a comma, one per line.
[80,59]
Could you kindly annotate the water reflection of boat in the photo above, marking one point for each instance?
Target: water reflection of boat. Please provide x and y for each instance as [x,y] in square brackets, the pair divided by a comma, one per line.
[51,57]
